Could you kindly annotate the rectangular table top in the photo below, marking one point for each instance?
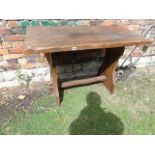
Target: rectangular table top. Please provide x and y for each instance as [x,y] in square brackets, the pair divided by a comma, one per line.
[41,39]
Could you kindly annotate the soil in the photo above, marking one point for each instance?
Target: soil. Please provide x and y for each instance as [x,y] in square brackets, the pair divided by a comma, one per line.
[11,102]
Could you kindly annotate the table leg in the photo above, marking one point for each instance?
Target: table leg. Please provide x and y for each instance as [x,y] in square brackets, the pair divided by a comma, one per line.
[47,55]
[54,77]
[109,65]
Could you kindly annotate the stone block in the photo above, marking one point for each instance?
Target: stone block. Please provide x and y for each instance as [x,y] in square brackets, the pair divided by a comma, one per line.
[72,23]
[16,50]
[3,51]
[137,21]
[24,23]
[16,37]
[12,56]
[49,23]
[83,22]
[107,22]
[60,68]
[4,31]
[22,61]
[68,68]
[12,61]
[6,44]
[133,27]
[81,74]
[19,31]
[45,23]
[55,23]
[93,22]
[91,65]
[32,58]
[93,72]
[63,23]
[40,59]
[116,22]
[34,65]
[0,38]
[8,76]
[13,24]
[76,67]
[124,22]
[17,43]
[66,76]
[3,23]
[6,66]
[35,23]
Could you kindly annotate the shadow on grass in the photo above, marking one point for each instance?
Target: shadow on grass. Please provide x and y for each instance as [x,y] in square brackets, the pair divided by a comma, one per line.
[93,120]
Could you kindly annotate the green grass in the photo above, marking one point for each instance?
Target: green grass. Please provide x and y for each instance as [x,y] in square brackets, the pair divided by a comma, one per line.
[91,110]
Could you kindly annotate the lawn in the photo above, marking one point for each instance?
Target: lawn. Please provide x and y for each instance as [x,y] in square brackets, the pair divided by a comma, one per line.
[91,110]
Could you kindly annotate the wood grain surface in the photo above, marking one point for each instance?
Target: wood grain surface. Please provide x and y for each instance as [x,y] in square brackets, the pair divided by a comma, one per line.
[41,39]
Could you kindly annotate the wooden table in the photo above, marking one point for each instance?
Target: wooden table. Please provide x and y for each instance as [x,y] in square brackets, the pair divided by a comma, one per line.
[55,40]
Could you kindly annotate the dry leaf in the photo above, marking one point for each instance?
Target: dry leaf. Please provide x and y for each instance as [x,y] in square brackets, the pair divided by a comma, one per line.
[21,97]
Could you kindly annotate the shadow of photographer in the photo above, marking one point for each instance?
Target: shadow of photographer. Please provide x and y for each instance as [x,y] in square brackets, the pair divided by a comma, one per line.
[93,120]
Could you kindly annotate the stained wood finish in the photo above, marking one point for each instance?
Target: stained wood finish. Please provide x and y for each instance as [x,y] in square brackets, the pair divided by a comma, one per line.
[47,55]
[54,78]
[82,81]
[50,40]
[58,39]
[109,65]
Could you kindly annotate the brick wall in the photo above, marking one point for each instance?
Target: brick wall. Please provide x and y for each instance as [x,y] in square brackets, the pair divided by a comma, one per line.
[76,65]
[12,35]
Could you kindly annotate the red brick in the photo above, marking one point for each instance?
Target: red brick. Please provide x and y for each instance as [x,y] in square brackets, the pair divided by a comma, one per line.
[107,22]
[4,31]
[12,56]
[6,44]
[93,23]
[34,65]
[16,50]
[13,24]
[124,22]
[13,37]
[3,51]
[17,43]
[126,27]
[133,27]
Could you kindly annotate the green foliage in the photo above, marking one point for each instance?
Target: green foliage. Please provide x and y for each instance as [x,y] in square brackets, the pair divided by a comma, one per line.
[91,110]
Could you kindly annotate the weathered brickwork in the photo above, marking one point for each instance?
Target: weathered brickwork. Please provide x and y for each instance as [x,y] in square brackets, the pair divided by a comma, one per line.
[73,65]
[12,34]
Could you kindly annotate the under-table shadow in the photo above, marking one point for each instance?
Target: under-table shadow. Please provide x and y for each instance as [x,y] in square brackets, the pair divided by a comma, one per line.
[94,120]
